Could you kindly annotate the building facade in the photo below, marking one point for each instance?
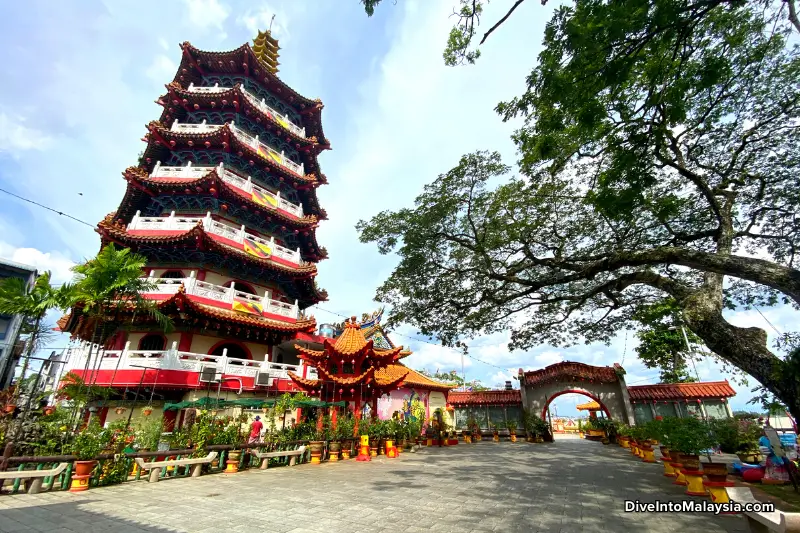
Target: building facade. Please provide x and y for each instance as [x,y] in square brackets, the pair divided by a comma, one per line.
[223,204]
[10,348]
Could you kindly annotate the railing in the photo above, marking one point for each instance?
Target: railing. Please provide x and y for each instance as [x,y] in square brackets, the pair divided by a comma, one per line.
[178,223]
[226,295]
[212,90]
[282,119]
[174,359]
[267,151]
[190,172]
[195,128]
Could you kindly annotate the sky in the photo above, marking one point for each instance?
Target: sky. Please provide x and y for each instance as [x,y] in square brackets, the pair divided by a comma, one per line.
[82,78]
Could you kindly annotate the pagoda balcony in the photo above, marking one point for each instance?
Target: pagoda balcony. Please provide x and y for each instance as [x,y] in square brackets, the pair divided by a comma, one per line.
[219,296]
[176,369]
[238,236]
[262,149]
[282,119]
[190,172]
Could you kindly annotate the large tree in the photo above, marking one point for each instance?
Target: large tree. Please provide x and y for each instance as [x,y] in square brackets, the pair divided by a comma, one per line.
[658,161]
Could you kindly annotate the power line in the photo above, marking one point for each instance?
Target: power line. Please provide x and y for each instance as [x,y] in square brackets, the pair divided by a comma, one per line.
[48,208]
[767,320]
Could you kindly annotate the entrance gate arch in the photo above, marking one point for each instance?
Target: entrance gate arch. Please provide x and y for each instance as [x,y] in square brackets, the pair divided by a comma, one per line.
[603,384]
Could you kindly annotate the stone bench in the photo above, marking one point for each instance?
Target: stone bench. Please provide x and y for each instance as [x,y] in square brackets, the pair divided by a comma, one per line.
[764,522]
[34,478]
[156,466]
[292,454]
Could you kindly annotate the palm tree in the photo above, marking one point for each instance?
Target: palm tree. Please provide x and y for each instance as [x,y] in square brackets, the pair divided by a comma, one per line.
[32,303]
[109,286]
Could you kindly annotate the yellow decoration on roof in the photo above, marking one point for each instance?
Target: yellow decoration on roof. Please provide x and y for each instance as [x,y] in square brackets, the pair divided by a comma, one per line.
[266,49]
[590,406]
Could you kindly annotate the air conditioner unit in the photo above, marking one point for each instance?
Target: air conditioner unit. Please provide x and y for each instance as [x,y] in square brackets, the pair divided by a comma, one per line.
[208,374]
[263,379]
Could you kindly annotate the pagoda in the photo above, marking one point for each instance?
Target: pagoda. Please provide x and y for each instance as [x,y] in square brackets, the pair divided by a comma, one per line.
[223,203]
[351,369]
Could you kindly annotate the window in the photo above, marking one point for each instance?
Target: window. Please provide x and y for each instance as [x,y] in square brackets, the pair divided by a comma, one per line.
[462,415]
[154,342]
[665,409]
[715,409]
[479,413]
[642,413]
[693,409]
[512,413]
[233,350]
[497,416]
[172,274]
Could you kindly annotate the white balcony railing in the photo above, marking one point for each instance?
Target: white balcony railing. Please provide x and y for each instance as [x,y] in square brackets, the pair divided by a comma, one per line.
[238,235]
[190,172]
[223,295]
[194,128]
[211,90]
[261,148]
[282,119]
[174,359]
[267,151]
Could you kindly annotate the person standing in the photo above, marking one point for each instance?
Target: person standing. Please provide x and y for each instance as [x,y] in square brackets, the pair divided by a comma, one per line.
[255,430]
[776,469]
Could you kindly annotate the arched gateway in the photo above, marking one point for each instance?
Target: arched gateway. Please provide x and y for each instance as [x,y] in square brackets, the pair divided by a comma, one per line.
[604,384]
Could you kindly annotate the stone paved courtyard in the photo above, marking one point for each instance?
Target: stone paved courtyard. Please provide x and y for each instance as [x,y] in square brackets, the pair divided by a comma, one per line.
[569,486]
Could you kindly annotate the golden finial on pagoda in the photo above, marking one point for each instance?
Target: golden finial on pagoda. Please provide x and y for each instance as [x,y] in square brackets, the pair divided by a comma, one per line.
[266,48]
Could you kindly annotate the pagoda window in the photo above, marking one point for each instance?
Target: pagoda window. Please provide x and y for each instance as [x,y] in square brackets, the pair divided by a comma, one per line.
[234,350]
[153,342]
[347,368]
[172,274]
[227,80]
[334,370]
[364,366]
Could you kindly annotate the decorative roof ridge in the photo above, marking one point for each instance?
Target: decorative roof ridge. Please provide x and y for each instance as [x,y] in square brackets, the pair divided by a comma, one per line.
[687,384]
[304,101]
[239,90]
[199,231]
[156,126]
[213,175]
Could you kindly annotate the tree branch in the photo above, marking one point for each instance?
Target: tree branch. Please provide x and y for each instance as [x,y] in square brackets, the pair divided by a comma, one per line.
[502,20]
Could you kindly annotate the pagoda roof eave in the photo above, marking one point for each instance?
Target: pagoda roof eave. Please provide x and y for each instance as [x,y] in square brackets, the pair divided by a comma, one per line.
[233,62]
[204,99]
[303,383]
[364,377]
[138,176]
[221,138]
[119,233]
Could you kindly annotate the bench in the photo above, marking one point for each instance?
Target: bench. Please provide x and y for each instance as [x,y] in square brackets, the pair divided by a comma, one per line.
[36,477]
[292,454]
[156,466]
[764,522]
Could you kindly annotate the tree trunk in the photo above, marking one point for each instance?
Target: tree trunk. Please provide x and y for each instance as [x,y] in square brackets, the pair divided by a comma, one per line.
[745,348]
[28,353]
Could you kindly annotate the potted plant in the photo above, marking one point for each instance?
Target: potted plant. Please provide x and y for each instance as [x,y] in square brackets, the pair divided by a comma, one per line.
[147,411]
[690,437]
[623,436]
[374,430]
[538,428]
[8,400]
[344,432]
[581,434]
[119,410]
[85,446]
[512,429]
[49,410]
[318,438]
[495,431]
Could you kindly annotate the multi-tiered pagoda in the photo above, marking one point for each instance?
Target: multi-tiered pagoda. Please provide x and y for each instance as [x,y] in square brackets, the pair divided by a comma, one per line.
[223,203]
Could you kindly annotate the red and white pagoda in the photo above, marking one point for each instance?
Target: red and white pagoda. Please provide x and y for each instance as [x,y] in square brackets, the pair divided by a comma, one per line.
[223,204]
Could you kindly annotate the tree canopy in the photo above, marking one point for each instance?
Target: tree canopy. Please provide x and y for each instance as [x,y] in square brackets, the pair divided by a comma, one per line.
[657,161]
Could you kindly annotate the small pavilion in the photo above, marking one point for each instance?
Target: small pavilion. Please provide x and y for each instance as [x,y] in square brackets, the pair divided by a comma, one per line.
[592,407]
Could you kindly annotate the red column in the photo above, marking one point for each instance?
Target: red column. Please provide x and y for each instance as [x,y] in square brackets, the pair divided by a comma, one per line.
[120,339]
[169,420]
[185,342]
[201,275]
[101,416]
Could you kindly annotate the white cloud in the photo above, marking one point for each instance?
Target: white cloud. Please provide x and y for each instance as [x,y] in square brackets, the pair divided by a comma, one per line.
[548,358]
[162,69]
[16,136]
[261,19]
[57,263]
[207,13]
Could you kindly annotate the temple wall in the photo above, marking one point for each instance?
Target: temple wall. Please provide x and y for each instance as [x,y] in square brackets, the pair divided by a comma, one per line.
[609,394]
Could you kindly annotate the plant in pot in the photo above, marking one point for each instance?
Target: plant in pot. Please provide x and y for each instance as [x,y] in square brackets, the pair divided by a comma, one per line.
[8,402]
[318,439]
[375,432]
[747,435]
[690,437]
[344,432]
[623,435]
[580,428]
[538,428]
[512,429]
[85,446]
[227,431]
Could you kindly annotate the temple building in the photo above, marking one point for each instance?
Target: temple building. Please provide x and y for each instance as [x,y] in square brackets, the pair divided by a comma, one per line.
[223,203]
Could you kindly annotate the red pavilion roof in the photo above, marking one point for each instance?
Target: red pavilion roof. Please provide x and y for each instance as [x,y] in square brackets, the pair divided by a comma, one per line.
[682,391]
[487,397]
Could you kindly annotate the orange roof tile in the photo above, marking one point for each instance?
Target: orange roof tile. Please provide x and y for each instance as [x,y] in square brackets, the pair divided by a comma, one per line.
[486,397]
[304,383]
[589,406]
[682,391]
[569,370]
[412,378]
[351,340]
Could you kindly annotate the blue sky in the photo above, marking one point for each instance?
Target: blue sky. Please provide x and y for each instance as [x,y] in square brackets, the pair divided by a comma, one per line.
[82,77]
